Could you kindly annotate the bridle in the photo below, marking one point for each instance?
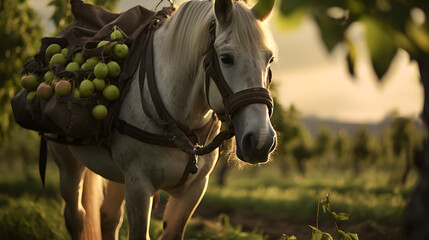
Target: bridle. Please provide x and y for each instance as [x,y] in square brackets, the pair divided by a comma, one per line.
[231,101]
[176,136]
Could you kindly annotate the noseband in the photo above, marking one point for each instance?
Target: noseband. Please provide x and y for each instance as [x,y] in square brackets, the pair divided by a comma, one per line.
[232,101]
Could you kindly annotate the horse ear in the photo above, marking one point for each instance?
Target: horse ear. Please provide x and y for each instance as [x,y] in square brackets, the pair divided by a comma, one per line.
[223,11]
[263,9]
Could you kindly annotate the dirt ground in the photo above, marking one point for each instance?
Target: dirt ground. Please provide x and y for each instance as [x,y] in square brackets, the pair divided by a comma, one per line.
[274,225]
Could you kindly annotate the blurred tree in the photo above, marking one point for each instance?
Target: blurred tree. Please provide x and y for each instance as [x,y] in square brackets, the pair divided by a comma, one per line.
[341,144]
[21,31]
[294,142]
[402,140]
[324,141]
[361,148]
[293,137]
[390,25]
[302,149]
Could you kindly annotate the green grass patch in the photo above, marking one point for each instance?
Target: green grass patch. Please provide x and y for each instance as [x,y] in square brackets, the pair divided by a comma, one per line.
[29,212]
[368,196]
[27,217]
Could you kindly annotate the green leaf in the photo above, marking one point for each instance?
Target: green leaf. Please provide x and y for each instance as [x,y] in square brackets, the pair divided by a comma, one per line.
[292,20]
[340,216]
[286,237]
[288,7]
[419,35]
[347,236]
[327,236]
[354,236]
[382,48]
[316,234]
[351,56]
[397,15]
[331,30]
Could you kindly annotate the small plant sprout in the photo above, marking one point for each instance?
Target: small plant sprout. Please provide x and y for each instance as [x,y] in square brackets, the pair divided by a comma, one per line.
[317,234]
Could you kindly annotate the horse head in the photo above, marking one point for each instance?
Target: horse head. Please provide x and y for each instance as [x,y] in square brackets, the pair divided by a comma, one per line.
[245,49]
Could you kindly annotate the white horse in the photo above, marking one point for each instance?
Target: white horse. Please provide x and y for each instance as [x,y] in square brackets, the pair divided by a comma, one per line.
[137,170]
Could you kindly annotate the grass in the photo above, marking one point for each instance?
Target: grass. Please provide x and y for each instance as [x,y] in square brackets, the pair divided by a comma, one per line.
[370,195]
[29,212]
[28,217]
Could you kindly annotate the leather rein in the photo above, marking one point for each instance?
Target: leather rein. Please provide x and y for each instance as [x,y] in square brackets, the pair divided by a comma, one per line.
[177,135]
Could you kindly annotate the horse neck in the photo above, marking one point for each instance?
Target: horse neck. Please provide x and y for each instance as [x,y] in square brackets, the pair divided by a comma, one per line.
[181,86]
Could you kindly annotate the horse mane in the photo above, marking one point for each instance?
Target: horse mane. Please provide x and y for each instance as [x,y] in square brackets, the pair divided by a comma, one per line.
[187,32]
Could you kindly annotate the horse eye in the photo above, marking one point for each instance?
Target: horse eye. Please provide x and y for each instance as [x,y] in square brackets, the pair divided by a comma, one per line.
[227,59]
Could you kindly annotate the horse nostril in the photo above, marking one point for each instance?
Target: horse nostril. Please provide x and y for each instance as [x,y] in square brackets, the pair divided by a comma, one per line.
[249,142]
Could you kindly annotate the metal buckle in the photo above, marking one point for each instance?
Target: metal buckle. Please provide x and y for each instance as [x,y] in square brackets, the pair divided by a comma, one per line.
[192,166]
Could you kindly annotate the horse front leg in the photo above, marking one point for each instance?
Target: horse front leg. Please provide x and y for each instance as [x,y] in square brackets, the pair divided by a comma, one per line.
[112,210]
[138,195]
[180,208]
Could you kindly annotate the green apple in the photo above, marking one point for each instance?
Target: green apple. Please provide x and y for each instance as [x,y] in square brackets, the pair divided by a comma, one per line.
[63,88]
[76,93]
[102,43]
[99,84]
[29,82]
[44,91]
[121,50]
[111,92]
[84,66]
[99,112]
[116,34]
[30,96]
[114,69]
[72,66]
[58,58]
[65,52]
[91,62]
[109,48]
[101,70]
[51,50]
[77,57]
[86,88]
[49,75]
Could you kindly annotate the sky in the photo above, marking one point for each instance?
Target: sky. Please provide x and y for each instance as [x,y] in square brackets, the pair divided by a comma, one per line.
[318,82]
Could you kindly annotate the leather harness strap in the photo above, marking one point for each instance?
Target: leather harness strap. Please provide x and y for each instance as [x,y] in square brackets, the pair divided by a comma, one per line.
[232,101]
[177,135]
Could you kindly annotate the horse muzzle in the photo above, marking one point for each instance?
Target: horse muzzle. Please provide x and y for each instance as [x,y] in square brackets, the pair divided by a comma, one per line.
[255,136]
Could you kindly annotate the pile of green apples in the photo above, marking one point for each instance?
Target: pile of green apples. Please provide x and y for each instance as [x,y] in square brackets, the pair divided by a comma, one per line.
[102,72]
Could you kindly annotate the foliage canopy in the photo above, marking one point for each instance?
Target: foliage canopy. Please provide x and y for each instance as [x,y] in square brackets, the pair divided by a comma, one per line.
[389,24]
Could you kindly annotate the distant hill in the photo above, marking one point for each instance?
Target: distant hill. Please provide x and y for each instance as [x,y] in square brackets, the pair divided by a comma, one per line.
[313,125]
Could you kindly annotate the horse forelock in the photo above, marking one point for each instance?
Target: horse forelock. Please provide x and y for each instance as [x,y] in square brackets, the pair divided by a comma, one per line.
[251,34]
